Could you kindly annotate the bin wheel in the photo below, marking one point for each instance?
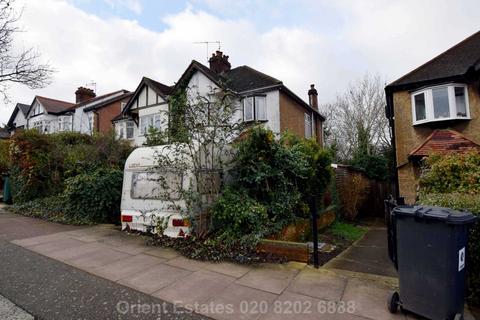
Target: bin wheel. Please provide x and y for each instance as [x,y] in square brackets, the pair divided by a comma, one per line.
[458,316]
[394,302]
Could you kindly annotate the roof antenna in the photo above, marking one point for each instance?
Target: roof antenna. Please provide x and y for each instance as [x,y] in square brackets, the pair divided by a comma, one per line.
[206,43]
[92,84]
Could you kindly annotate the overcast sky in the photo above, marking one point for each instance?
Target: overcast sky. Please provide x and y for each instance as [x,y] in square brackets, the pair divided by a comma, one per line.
[329,43]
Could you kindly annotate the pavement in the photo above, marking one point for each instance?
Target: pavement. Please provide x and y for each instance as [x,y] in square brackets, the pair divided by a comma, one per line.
[9,311]
[84,272]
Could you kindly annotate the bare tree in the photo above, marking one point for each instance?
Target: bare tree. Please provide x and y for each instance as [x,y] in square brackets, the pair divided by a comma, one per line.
[360,110]
[18,67]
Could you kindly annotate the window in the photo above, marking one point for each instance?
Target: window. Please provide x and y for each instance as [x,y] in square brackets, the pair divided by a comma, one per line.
[38,125]
[123,105]
[120,131]
[37,109]
[164,185]
[129,130]
[64,123]
[308,125]
[447,102]
[90,121]
[151,120]
[255,108]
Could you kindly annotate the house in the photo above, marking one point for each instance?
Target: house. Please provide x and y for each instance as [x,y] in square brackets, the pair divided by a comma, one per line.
[95,113]
[260,99]
[89,113]
[435,109]
[18,118]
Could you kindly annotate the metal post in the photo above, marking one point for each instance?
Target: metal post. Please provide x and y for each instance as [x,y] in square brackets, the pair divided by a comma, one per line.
[313,209]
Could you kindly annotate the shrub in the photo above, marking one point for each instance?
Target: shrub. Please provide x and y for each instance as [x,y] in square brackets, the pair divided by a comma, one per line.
[454,181]
[4,156]
[94,197]
[235,216]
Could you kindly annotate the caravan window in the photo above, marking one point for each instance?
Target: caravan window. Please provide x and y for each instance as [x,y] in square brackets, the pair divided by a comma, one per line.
[156,185]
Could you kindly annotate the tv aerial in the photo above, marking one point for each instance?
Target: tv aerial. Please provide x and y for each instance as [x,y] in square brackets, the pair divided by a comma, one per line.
[207,43]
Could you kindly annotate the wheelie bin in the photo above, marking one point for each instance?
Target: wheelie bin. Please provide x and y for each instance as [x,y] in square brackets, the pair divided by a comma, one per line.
[7,194]
[430,256]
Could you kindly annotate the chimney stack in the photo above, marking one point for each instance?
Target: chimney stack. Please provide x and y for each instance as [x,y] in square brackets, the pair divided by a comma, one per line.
[313,97]
[83,94]
[219,63]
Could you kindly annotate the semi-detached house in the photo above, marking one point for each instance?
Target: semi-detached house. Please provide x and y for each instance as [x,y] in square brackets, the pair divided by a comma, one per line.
[260,98]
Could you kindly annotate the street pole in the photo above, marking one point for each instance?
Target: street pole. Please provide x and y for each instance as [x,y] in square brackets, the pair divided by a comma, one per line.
[313,209]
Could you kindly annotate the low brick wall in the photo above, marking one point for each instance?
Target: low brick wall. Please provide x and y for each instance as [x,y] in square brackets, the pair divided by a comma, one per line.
[293,251]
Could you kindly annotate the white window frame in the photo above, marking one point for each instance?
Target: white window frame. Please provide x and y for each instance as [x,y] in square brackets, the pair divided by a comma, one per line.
[64,123]
[308,123]
[254,108]
[127,123]
[429,107]
[154,120]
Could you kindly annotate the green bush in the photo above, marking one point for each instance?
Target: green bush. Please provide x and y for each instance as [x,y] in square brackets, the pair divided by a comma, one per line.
[236,215]
[453,181]
[4,156]
[94,197]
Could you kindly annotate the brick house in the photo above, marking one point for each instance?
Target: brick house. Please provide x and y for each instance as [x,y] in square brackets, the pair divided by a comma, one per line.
[435,109]
[89,113]
[260,98]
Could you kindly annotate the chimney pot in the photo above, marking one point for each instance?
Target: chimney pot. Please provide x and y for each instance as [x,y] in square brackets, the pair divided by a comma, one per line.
[83,94]
[313,97]
[219,63]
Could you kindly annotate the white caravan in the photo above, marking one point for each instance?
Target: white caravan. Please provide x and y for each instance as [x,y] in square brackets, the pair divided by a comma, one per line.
[147,203]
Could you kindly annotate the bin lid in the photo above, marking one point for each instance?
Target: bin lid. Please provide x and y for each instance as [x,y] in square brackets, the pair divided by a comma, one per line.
[446,215]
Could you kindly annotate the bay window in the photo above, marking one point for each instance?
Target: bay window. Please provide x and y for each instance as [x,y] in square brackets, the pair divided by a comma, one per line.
[255,108]
[447,102]
[64,123]
[129,129]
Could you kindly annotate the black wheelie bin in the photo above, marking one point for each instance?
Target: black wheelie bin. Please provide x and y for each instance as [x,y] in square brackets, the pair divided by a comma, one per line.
[430,255]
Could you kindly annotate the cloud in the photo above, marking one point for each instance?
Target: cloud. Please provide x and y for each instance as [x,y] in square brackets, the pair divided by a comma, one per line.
[331,44]
[132,5]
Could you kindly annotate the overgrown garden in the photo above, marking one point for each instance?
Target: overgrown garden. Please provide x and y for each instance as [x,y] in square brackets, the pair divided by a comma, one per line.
[65,177]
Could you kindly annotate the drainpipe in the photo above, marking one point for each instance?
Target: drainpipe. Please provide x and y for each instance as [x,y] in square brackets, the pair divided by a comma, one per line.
[390,114]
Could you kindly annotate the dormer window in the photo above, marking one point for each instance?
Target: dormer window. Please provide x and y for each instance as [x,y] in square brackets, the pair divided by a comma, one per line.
[255,108]
[447,102]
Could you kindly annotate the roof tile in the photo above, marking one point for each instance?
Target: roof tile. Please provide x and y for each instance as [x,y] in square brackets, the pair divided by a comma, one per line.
[445,141]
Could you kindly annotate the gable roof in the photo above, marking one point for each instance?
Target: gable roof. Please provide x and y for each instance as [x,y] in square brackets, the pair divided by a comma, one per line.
[240,80]
[161,89]
[19,107]
[444,141]
[106,99]
[54,106]
[456,62]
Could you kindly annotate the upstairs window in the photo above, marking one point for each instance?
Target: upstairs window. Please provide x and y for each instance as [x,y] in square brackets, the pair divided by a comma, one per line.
[148,121]
[308,125]
[255,108]
[448,102]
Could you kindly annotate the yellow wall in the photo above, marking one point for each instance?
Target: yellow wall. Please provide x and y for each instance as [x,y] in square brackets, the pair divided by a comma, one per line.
[409,137]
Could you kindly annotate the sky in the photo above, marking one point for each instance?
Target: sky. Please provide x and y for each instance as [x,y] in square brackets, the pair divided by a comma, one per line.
[113,43]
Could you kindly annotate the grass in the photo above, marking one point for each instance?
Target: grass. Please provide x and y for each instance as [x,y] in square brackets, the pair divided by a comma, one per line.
[347,231]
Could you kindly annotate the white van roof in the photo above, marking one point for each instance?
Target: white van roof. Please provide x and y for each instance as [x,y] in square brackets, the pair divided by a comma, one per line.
[144,158]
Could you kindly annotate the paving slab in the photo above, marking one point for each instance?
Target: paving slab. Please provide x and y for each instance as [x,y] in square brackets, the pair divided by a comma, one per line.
[292,306]
[185,263]
[97,258]
[198,287]
[9,311]
[56,245]
[318,284]
[154,278]
[166,253]
[270,278]
[229,269]
[70,254]
[240,302]
[34,241]
[370,301]
[126,267]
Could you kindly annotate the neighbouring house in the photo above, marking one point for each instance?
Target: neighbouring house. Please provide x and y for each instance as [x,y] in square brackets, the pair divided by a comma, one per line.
[435,109]
[260,99]
[18,118]
[95,114]
[88,114]
[146,108]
